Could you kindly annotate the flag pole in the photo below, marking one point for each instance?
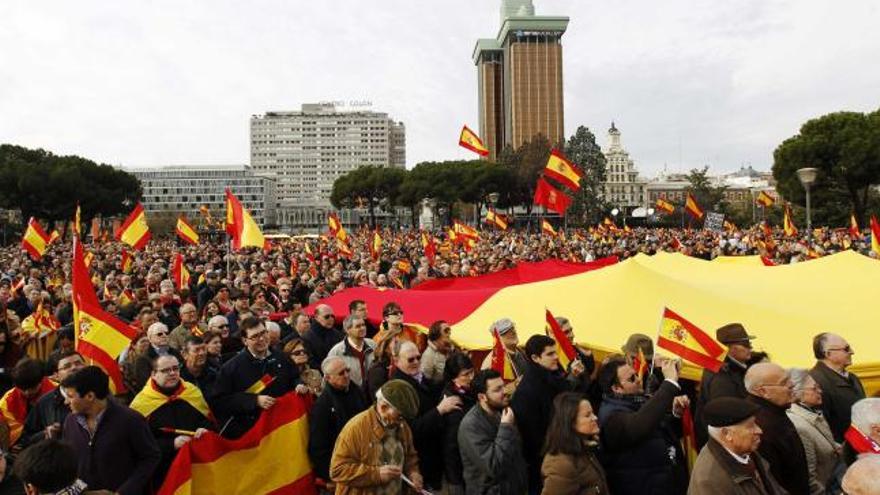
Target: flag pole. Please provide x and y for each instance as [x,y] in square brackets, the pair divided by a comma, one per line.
[659,327]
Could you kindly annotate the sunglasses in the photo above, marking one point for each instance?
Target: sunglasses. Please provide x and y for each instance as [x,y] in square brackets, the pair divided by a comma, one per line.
[328,317]
[414,359]
[299,352]
[395,313]
[160,334]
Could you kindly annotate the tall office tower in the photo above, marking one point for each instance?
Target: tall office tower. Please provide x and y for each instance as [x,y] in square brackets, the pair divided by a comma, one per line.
[519,76]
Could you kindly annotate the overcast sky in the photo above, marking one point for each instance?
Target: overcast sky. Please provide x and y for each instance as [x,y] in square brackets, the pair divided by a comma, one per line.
[169,82]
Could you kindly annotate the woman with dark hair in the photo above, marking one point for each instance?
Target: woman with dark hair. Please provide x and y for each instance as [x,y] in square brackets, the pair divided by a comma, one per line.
[210,310]
[295,348]
[457,376]
[570,465]
[382,367]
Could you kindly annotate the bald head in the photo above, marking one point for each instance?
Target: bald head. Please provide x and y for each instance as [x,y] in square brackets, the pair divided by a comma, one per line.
[324,315]
[863,477]
[771,382]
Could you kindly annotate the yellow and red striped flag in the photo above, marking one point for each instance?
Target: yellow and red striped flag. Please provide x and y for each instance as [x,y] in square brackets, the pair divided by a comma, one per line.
[126,262]
[664,206]
[272,457]
[186,231]
[404,266]
[179,272]
[854,231]
[77,222]
[375,245]
[126,297]
[469,139]
[100,336]
[336,228]
[14,408]
[692,207]
[875,235]
[689,438]
[429,247]
[464,231]
[87,259]
[684,339]
[500,360]
[35,240]
[343,249]
[547,228]
[260,384]
[54,235]
[496,219]
[788,223]
[765,199]
[640,363]
[563,171]
[564,347]
[134,231]
[240,225]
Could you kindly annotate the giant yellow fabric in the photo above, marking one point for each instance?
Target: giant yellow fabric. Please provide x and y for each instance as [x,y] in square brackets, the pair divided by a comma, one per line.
[784,306]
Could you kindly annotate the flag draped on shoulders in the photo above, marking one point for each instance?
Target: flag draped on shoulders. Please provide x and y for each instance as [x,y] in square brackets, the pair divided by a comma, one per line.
[685,340]
[134,231]
[35,240]
[149,399]
[14,408]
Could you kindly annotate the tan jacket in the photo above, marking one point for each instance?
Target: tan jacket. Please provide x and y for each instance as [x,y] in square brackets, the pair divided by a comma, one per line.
[354,466]
[716,472]
[823,453]
[567,475]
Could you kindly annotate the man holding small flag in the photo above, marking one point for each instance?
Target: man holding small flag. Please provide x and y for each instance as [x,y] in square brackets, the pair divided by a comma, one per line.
[578,362]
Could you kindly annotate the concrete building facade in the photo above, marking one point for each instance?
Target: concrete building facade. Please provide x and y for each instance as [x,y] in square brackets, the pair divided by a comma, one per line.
[623,188]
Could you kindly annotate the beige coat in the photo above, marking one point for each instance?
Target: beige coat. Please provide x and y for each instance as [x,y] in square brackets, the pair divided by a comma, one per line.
[354,466]
[823,453]
[567,475]
[716,472]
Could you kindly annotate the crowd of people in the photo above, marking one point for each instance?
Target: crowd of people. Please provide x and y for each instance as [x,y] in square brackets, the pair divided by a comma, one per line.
[394,409]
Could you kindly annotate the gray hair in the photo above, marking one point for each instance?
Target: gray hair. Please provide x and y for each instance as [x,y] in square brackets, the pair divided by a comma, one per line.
[715,432]
[799,377]
[406,345]
[217,320]
[348,322]
[328,362]
[863,476]
[866,413]
[158,326]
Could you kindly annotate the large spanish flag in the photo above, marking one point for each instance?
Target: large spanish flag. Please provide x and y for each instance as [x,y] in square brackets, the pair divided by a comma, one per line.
[685,340]
[100,336]
[270,458]
[241,225]
[469,139]
[35,240]
[560,169]
[134,231]
[186,232]
[692,207]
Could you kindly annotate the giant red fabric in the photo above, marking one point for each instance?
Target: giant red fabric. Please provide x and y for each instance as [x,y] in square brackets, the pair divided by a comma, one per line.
[522,274]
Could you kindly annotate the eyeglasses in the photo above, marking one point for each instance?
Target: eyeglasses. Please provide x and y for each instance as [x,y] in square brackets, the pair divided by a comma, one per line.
[844,349]
[328,317]
[169,370]
[343,372]
[413,359]
[283,290]
[223,326]
[298,352]
[395,313]
[160,334]
[259,335]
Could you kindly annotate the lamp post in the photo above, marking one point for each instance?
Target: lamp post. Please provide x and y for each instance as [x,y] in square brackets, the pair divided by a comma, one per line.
[807,176]
[614,214]
[650,216]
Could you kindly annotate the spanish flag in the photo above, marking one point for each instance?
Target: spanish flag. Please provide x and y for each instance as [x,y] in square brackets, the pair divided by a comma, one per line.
[240,225]
[689,438]
[547,228]
[496,219]
[854,231]
[563,171]
[40,326]
[35,240]
[429,247]
[469,139]
[149,399]
[564,347]
[664,206]
[260,384]
[87,259]
[640,363]
[788,223]
[729,226]
[77,222]
[343,249]
[100,336]
[179,272]
[14,408]
[54,235]
[692,207]
[500,360]
[126,297]
[875,235]
[765,200]
[550,198]
[134,231]
[861,443]
[186,232]
[375,245]
[336,228]
[404,266]
[126,262]
[464,231]
[685,340]
[271,457]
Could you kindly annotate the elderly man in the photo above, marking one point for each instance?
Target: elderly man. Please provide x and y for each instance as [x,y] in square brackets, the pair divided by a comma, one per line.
[355,349]
[48,414]
[489,441]
[322,335]
[375,448]
[841,389]
[339,401]
[507,332]
[729,381]
[427,425]
[175,410]
[641,443]
[863,477]
[439,347]
[863,435]
[770,388]
[730,463]
[250,382]
[189,325]
[196,369]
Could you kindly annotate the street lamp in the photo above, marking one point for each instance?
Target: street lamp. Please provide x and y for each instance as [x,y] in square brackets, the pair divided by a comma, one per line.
[650,215]
[807,176]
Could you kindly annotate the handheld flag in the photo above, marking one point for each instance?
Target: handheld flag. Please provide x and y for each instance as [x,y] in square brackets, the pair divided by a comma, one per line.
[126,262]
[692,207]
[496,219]
[563,171]
[240,225]
[77,222]
[375,245]
[186,232]
[664,206]
[547,228]
[468,139]
[35,240]
[685,340]
[689,438]
[500,359]
[854,231]
[336,228]
[551,198]
[765,200]
[54,235]
[179,272]
[875,235]
[134,231]
[564,347]
[787,223]
[464,232]
[640,363]
[429,247]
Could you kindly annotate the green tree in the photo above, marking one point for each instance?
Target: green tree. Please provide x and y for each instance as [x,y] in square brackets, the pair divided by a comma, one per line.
[48,186]
[525,165]
[709,197]
[370,186]
[589,203]
[845,147]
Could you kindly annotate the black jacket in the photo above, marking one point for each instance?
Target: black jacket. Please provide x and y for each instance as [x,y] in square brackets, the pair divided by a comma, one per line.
[532,406]
[205,381]
[319,341]
[122,454]
[452,468]
[728,382]
[427,428]
[838,396]
[48,410]
[230,399]
[781,446]
[328,415]
[640,444]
